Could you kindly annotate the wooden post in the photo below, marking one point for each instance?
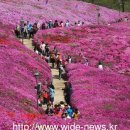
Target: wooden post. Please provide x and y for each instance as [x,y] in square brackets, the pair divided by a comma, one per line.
[98,14]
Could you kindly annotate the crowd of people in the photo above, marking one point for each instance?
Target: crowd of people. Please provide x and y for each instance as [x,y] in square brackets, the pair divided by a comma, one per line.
[62,110]
[27,30]
[53,24]
[54,57]
[46,97]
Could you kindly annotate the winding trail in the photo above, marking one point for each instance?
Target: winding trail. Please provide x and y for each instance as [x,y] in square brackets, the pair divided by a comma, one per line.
[58,84]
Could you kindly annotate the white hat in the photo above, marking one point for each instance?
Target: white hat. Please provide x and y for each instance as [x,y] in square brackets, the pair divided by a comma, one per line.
[39,83]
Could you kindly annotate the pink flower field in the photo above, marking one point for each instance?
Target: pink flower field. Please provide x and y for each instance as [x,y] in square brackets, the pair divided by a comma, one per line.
[105,43]
[17,82]
[102,97]
[11,11]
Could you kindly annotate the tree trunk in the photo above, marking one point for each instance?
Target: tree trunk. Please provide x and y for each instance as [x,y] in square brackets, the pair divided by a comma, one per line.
[123,5]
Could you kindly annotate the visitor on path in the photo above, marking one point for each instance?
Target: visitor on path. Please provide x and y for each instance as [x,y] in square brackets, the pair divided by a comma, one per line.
[38,88]
[76,114]
[62,104]
[47,50]
[59,110]
[69,112]
[45,97]
[40,100]
[39,25]
[49,110]
[51,93]
[31,34]
[62,110]
[61,71]
[61,24]
[36,50]
[75,24]
[17,31]
[56,24]
[58,60]
[55,110]
[43,26]
[100,65]
[83,23]
[47,58]
[86,62]
[53,59]
[55,51]
[35,29]
[29,27]
[42,47]
[25,31]
[22,25]
[65,115]
[79,23]
[68,92]
[50,24]
[67,24]
[69,59]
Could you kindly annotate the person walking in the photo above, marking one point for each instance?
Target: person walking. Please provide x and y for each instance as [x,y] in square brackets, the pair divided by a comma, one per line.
[47,58]
[61,71]
[49,110]
[61,24]
[67,24]
[69,59]
[55,51]
[86,62]
[45,96]
[38,88]
[43,26]
[58,60]
[51,93]
[53,59]
[42,47]
[29,27]
[76,114]
[50,24]
[47,50]
[17,31]
[56,24]
[35,29]
[68,92]
[22,26]
[79,23]
[69,111]
[25,32]
[100,65]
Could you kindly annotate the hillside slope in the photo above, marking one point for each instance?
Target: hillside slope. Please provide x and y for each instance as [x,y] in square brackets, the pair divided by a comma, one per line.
[11,11]
[105,43]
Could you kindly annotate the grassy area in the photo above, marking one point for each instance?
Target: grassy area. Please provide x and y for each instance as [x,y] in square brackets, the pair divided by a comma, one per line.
[113,4]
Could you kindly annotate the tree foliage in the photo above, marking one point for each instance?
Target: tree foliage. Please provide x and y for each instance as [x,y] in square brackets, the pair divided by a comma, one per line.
[122,5]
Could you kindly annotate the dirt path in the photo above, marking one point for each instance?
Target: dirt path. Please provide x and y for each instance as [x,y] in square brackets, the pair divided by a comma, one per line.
[58,84]
[27,43]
